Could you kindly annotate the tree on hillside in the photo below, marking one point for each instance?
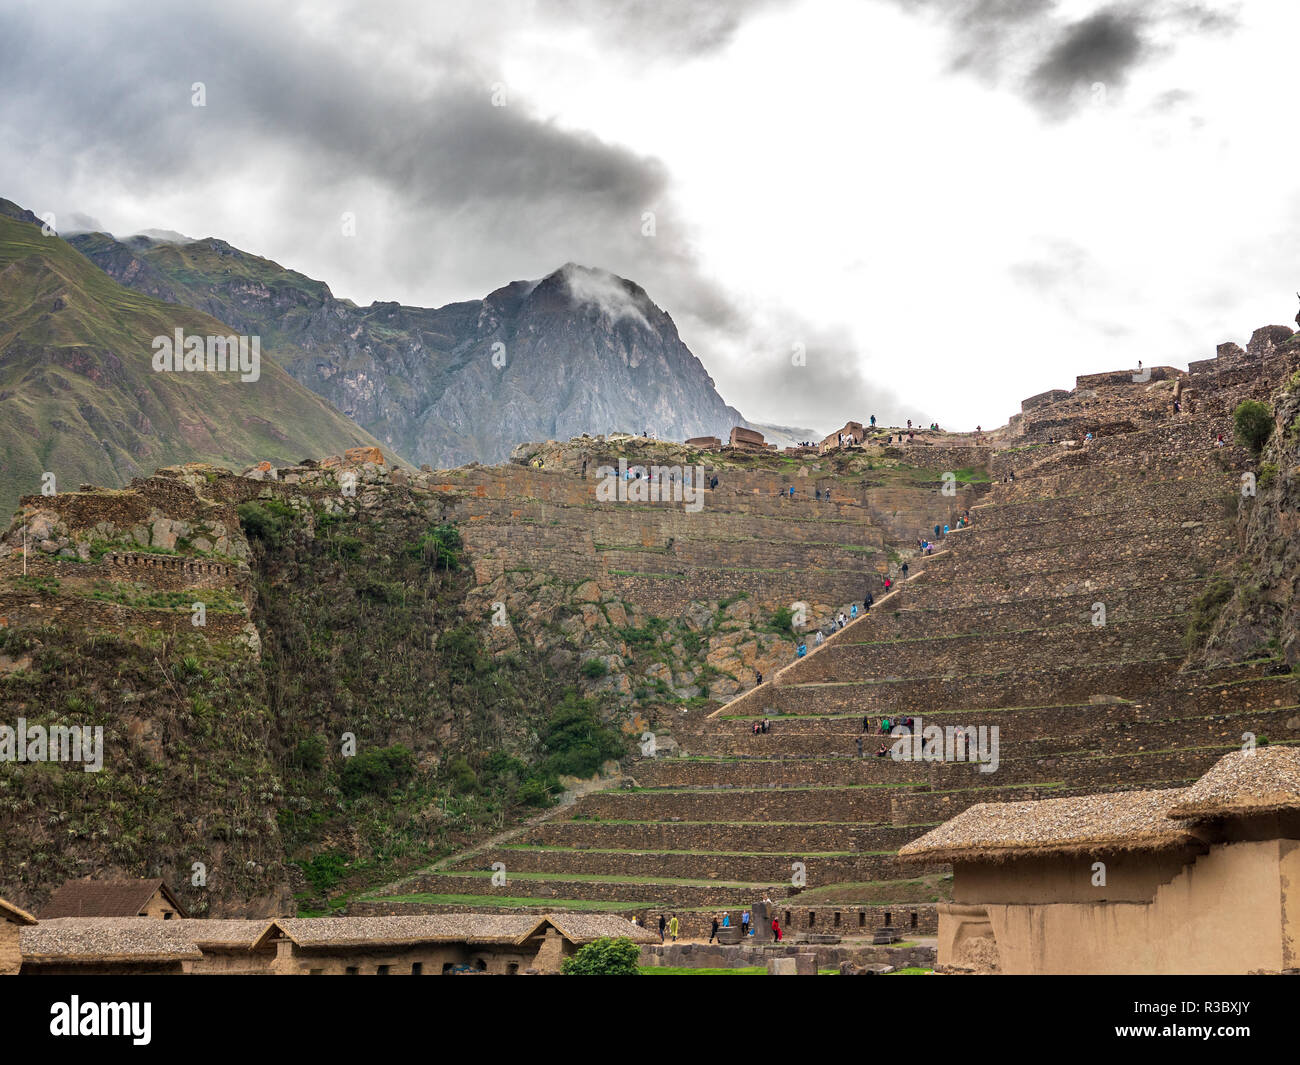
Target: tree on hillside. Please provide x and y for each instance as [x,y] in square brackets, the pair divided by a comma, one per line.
[1253,423]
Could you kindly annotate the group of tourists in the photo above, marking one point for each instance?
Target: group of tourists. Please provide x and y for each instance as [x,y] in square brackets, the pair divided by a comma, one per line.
[761,726]
[720,921]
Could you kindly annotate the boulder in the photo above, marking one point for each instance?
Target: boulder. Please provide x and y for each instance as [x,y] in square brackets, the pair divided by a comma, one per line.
[848,968]
[364,454]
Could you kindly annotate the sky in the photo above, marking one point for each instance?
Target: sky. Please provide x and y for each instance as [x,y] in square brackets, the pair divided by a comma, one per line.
[925,209]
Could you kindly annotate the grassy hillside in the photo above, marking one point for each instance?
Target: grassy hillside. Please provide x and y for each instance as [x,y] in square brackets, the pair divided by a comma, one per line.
[79,397]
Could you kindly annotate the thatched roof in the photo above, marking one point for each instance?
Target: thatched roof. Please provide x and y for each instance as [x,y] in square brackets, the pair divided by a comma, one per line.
[485,928]
[431,928]
[106,898]
[586,927]
[226,934]
[1116,821]
[14,914]
[92,940]
[1263,780]
[87,940]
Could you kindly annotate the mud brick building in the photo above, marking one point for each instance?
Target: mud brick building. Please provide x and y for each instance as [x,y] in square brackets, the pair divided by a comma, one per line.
[1177,880]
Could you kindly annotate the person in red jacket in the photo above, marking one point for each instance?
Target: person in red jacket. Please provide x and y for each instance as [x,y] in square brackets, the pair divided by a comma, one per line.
[776,930]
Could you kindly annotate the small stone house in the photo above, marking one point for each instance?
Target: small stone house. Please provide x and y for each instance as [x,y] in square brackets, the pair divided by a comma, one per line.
[113,898]
[840,438]
[1195,880]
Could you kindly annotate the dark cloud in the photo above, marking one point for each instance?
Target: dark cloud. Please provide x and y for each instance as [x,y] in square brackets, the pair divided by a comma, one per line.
[1055,63]
[1100,49]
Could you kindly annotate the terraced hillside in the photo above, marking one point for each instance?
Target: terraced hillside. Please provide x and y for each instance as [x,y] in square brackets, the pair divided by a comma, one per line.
[1067,616]
[332,610]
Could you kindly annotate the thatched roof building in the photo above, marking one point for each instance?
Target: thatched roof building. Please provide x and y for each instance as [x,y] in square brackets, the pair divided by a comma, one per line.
[472,928]
[113,898]
[416,943]
[1181,880]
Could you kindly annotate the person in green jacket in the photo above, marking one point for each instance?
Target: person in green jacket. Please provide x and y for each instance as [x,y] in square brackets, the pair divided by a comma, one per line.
[672,928]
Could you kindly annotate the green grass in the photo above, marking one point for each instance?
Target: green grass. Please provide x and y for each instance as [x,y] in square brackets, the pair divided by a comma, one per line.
[682,970]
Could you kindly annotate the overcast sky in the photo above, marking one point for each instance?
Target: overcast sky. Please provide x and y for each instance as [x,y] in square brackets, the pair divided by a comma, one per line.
[949,205]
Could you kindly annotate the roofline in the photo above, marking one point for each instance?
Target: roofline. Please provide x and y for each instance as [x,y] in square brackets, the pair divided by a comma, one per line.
[23,917]
[171,896]
[1176,840]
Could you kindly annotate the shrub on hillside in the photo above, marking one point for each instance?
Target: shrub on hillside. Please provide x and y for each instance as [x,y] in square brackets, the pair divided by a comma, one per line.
[575,741]
[463,778]
[440,547]
[309,755]
[375,771]
[266,520]
[604,957]
[1253,423]
[1206,608]
[782,620]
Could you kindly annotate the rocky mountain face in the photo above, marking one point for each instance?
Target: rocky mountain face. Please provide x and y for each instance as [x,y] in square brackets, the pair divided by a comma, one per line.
[1261,614]
[580,351]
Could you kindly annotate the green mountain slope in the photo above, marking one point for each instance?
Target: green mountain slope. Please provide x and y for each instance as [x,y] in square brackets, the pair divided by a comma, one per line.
[80,398]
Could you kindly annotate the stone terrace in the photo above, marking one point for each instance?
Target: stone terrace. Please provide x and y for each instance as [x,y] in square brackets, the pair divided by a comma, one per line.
[1001,627]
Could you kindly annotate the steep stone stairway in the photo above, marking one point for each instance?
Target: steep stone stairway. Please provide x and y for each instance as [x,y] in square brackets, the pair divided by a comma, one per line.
[1058,617]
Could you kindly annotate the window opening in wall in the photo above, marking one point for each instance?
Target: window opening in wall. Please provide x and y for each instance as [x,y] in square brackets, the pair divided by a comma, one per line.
[417,968]
[887,918]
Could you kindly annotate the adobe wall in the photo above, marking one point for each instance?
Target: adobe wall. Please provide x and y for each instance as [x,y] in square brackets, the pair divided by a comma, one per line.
[11,957]
[492,959]
[1180,931]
